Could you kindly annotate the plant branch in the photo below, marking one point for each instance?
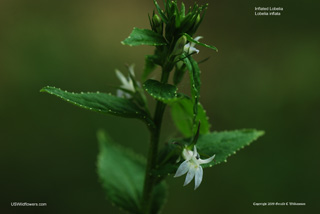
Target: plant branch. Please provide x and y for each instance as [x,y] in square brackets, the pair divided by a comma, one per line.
[150,179]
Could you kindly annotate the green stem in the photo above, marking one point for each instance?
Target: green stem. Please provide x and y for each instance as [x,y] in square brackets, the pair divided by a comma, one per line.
[150,179]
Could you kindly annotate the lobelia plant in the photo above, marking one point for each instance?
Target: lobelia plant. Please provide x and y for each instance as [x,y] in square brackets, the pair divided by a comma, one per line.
[136,184]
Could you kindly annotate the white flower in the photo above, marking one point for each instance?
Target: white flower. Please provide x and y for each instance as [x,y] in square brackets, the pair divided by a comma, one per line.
[189,47]
[192,166]
[127,84]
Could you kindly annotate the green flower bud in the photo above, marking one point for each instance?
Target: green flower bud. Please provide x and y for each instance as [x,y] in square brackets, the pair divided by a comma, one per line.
[156,20]
[178,48]
[197,22]
[157,24]
[195,25]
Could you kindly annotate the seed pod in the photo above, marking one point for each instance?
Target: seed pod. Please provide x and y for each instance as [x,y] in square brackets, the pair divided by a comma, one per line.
[179,72]
[178,48]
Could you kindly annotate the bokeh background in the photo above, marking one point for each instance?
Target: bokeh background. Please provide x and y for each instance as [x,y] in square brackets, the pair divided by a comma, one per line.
[265,76]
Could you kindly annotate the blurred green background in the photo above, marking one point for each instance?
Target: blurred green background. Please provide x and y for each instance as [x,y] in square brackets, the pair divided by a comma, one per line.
[265,76]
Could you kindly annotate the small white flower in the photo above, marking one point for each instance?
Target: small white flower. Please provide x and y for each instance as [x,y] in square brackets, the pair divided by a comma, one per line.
[189,47]
[127,84]
[192,166]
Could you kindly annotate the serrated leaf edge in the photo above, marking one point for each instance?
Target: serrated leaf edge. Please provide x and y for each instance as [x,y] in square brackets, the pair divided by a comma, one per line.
[261,133]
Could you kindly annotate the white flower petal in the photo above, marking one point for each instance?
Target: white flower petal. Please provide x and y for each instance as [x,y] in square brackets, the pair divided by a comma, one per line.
[187,47]
[208,160]
[119,93]
[131,70]
[128,85]
[192,50]
[183,169]
[187,154]
[192,166]
[195,153]
[190,175]
[198,177]
[198,38]
[123,94]
[121,77]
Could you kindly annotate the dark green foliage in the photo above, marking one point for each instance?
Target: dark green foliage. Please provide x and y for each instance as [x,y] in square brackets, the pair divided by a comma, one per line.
[100,102]
[144,37]
[130,183]
[183,117]
[220,144]
[161,91]
[122,176]
[150,66]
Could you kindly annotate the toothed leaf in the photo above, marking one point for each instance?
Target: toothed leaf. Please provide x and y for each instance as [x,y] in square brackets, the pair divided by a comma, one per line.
[160,91]
[221,144]
[100,102]
[182,116]
[149,66]
[144,37]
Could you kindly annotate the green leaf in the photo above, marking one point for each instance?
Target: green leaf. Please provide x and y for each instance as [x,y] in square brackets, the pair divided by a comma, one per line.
[182,116]
[144,37]
[221,144]
[226,143]
[190,39]
[149,66]
[122,175]
[159,197]
[160,91]
[100,102]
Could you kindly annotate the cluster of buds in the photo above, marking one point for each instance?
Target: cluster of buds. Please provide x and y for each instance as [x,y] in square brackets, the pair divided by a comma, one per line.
[177,21]
[176,25]
[156,24]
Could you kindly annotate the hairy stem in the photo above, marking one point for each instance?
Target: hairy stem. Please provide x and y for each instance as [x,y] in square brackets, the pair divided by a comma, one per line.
[150,179]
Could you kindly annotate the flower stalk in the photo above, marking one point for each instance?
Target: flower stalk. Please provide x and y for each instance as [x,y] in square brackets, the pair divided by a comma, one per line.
[150,179]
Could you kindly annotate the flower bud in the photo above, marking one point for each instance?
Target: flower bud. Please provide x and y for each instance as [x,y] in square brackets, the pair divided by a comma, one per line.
[195,25]
[157,24]
[178,48]
[197,22]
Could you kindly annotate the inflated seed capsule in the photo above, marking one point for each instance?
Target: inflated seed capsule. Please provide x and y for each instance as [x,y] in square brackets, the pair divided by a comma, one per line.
[178,48]
[179,65]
